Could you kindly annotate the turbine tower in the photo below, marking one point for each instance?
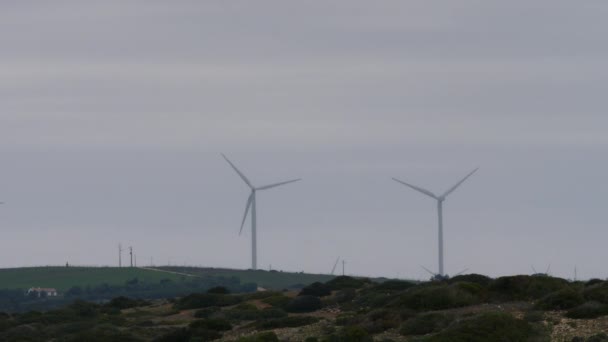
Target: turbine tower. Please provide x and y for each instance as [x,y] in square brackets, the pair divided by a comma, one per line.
[440,200]
[251,205]
[120,255]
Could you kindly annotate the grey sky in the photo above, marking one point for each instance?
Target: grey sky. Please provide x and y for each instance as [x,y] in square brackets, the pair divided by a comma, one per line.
[113,115]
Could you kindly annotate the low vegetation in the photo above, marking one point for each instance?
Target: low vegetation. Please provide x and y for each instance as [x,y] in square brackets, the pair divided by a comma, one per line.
[464,308]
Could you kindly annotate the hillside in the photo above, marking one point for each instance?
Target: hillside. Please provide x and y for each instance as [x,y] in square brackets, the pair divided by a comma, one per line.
[63,278]
[470,308]
[276,280]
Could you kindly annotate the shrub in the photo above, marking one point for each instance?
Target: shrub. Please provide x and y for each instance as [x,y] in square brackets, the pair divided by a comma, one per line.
[278,301]
[205,300]
[436,297]
[346,319]
[593,281]
[122,303]
[345,295]
[354,334]
[588,310]
[534,316]
[472,278]
[380,320]
[218,290]
[426,323]
[343,282]
[177,335]
[316,289]
[601,337]
[286,322]
[524,287]
[392,286]
[304,304]
[561,300]
[206,312]
[211,324]
[597,292]
[261,337]
[491,326]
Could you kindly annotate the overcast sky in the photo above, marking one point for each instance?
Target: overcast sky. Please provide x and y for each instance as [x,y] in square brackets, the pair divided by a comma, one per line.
[113,115]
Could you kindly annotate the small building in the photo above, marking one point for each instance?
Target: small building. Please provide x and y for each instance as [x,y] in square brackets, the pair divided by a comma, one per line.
[42,292]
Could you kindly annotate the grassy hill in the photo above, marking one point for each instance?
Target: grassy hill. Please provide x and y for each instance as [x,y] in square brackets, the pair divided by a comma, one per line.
[267,279]
[63,278]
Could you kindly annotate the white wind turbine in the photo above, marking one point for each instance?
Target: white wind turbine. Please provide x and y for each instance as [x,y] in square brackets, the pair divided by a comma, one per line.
[251,205]
[440,200]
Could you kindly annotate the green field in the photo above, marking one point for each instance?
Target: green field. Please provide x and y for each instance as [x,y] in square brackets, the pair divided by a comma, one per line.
[63,278]
[266,279]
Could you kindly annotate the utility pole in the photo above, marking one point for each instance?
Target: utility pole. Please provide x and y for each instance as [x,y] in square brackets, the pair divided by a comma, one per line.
[120,255]
[131,253]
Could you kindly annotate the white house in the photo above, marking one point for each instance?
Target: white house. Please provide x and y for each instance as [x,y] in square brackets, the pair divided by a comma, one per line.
[49,292]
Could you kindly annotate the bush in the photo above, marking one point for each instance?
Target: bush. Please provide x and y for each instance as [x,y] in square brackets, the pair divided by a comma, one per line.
[601,337]
[534,316]
[345,295]
[211,324]
[346,319]
[177,335]
[206,312]
[392,286]
[261,337]
[588,310]
[472,278]
[426,323]
[122,303]
[286,322]
[380,320]
[251,313]
[316,289]
[491,326]
[436,297]
[278,301]
[304,304]
[354,334]
[561,300]
[597,292]
[524,287]
[218,290]
[205,300]
[593,281]
[344,282]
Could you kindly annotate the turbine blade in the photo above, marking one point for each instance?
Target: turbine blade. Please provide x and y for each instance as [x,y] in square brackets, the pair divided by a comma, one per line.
[461,272]
[239,172]
[534,269]
[430,272]
[459,183]
[548,269]
[335,265]
[249,201]
[424,191]
[277,184]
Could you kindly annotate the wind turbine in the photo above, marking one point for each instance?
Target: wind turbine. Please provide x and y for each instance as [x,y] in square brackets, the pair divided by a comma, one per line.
[536,273]
[440,200]
[251,205]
